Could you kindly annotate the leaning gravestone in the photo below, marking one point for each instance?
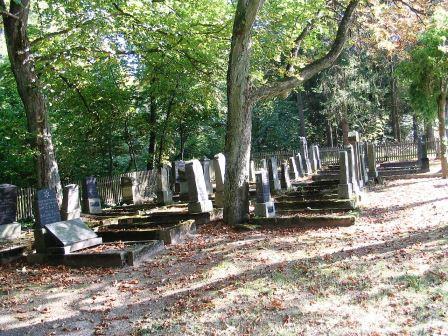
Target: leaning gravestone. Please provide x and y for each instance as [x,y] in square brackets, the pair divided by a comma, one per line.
[319,161]
[345,188]
[303,149]
[264,207]
[285,181]
[71,207]
[274,182]
[164,194]
[293,168]
[46,209]
[90,198]
[219,162]
[299,165]
[198,197]
[205,163]
[9,229]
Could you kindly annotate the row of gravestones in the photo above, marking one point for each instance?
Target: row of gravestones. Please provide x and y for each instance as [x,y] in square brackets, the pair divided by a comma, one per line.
[305,163]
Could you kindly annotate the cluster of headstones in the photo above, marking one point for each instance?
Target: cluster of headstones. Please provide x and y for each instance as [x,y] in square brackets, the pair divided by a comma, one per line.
[305,163]
[356,168]
[192,180]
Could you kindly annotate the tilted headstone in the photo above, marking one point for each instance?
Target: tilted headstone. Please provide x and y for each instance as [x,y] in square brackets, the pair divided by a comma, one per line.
[285,181]
[303,150]
[219,162]
[313,159]
[46,208]
[205,162]
[198,196]
[293,168]
[371,159]
[9,229]
[264,207]
[164,194]
[318,160]
[345,188]
[71,207]
[424,161]
[65,237]
[252,171]
[274,181]
[90,199]
[299,165]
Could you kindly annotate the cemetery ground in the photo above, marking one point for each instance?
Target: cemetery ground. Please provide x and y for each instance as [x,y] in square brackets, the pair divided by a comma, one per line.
[387,274]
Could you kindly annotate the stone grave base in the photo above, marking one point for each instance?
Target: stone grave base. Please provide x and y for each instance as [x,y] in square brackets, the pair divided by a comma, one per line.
[10,231]
[169,233]
[345,191]
[266,210]
[71,215]
[200,207]
[132,252]
[165,197]
[305,222]
[335,204]
[165,217]
[11,253]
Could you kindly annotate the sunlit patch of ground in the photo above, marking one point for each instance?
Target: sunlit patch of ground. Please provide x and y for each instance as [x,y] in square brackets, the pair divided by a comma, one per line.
[388,274]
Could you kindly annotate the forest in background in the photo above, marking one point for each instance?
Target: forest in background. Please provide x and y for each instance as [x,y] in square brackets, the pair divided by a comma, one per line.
[132,84]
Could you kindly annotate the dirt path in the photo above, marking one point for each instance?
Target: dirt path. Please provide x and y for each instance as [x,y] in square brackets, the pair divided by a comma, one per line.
[388,274]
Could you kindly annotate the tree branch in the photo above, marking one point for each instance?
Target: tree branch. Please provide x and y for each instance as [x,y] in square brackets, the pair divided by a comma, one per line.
[8,14]
[297,45]
[60,32]
[284,86]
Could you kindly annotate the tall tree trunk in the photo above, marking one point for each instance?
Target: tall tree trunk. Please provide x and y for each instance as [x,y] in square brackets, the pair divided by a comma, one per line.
[442,128]
[152,117]
[415,128]
[395,117]
[329,134]
[182,141]
[164,127]
[301,110]
[110,155]
[345,130]
[28,85]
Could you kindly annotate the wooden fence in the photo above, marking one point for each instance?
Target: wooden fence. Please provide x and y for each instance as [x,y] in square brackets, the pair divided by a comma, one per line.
[109,190]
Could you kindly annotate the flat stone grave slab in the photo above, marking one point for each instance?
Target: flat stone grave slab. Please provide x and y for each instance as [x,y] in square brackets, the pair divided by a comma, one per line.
[104,255]
[317,204]
[11,253]
[169,216]
[168,233]
[301,221]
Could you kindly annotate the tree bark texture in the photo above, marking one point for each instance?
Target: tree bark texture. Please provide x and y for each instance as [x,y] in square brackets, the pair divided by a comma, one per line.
[152,118]
[441,104]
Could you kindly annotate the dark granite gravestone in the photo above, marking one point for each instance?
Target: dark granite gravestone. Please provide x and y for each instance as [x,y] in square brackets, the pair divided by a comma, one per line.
[71,207]
[264,207]
[46,209]
[9,229]
[273,175]
[90,198]
[8,203]
[205,162]
[164,194]
[219,163]
[198,196]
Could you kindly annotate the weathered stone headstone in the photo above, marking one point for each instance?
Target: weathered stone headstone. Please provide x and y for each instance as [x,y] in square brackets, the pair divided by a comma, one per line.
[299,165]
[130,190]
[90,198]
[345,187]
[318,160]
[71,207]
[252,171]
[46,208]
[424,161]
[164,194]
[313,159]
[198,196]
[364,176]
[176,167]
[9,229]
[371,159]
[274,181]
[352,170]
[293,168]
[205,162]
[303,150]
[353,139]
[285,181]
[264,207]
[219,162]
[264,164]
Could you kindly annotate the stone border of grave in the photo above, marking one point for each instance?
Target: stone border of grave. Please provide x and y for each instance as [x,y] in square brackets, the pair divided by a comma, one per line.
[305,222]
[11,253]
[133,252]
[171,234]
[173,217]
